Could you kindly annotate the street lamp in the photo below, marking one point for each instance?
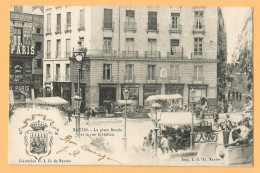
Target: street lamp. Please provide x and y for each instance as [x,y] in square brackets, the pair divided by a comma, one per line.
[79,54]
[192,135]
[126,96]
[157,108]
[76,102]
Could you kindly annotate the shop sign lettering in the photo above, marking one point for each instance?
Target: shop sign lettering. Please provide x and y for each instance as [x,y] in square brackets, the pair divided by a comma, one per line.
[107,86]
[20,16]
[24,88]
[22,50]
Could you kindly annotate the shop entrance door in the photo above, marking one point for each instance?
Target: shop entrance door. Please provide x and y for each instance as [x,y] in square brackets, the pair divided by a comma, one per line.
[107,96]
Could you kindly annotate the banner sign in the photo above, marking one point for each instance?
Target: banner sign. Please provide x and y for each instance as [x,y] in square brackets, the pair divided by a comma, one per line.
[22,50]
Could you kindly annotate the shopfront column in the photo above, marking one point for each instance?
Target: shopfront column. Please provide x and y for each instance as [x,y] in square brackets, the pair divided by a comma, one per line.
[141,94]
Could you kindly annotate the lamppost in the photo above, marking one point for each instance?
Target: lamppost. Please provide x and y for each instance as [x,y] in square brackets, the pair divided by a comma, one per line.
[192,135]
[126,96]
[79,54]
[156,107]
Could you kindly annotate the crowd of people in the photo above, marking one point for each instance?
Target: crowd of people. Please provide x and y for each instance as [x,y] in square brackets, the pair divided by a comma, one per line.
[169,139]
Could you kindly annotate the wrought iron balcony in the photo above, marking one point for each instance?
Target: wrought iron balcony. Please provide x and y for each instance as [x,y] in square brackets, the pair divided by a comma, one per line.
[102,53]
[175,28]
[197,80]
[177,53]
[130,26]
[203,55]
[198,29]
[152,28]
[152,54]
[129,79]
[67,54]
[67,28]
[108,25]
[58,29]
[130,54]
[151,79]
[174,79]
[107,79]
[81,26]
[57,78]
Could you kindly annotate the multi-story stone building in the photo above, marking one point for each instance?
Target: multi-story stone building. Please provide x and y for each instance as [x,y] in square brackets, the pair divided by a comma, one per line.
[148,50]
[25,22]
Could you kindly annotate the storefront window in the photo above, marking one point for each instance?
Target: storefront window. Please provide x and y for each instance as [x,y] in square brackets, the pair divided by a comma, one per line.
[151,90]
[133,91]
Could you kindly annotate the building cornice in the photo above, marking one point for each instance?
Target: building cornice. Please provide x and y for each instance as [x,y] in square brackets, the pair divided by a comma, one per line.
[155,60]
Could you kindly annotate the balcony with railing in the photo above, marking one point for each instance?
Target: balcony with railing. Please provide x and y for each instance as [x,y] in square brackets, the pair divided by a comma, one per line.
[152,54]
[130,26]
[151,79]
[177,53]
[174,79]
[197,80]
[129,79]
[152,27]
[48,32]
[67,28]
[130,54]
[102,53]
[107,79]
[198,29]
[67,54]
[204,55]
[175,28]
[57,78]
[48,55]
[67,78]
[108,25]
[48,77]
[58,54]
[58,29]
[81,26]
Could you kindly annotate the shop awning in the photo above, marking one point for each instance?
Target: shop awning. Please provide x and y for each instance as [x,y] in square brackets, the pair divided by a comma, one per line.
[164,97]
[123,102]
[176,118]
[49,101]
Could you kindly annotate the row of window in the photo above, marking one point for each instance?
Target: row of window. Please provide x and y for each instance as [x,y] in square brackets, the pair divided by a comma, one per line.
[129,72]
[175,48]
[130,20]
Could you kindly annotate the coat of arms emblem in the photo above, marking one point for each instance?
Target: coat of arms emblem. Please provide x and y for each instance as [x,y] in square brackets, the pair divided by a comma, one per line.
[38,137]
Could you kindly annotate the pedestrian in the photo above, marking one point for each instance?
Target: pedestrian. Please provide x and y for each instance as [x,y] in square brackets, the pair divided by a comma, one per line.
[216,117]
[87,115]
[229,95]
[237,94]
[230,108]
[225,109]
[240,96]
[249,86]
[150,137]
[164,144]
[233,95]
[69,115]
[93,111]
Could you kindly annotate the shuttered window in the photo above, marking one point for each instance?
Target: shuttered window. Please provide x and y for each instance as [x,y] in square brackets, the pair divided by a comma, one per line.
[199,19]
[82,18]
[152,20]
[108,18]
[48,23]
[198,46]
[175,20]
[58,22]
[68,19]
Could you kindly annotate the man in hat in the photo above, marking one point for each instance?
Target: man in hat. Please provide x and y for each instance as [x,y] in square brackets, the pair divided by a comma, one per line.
[69,114]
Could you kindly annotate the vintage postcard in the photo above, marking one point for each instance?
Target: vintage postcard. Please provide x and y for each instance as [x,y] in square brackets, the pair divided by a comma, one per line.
[131,85]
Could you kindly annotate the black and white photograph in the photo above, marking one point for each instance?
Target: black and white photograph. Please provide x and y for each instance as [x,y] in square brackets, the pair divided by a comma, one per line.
[131,86]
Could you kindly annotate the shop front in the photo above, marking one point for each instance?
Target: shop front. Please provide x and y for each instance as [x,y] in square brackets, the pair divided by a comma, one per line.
[200,92]
[150,89]
[62,89]
[22,92]
[107,96]
[133,92]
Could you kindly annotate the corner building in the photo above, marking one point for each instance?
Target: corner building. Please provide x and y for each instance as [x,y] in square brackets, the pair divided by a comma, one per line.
[148,50]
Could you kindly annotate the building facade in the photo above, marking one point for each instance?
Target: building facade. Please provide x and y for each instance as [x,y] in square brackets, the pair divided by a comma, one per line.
[148,50]
[22,52]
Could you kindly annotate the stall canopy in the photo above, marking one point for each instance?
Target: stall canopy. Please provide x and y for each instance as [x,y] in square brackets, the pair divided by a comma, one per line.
[49,101]
[123,102]
[164,97]
[177,118]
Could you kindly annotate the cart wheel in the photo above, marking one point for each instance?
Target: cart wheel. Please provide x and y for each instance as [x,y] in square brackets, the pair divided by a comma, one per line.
[197,137]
